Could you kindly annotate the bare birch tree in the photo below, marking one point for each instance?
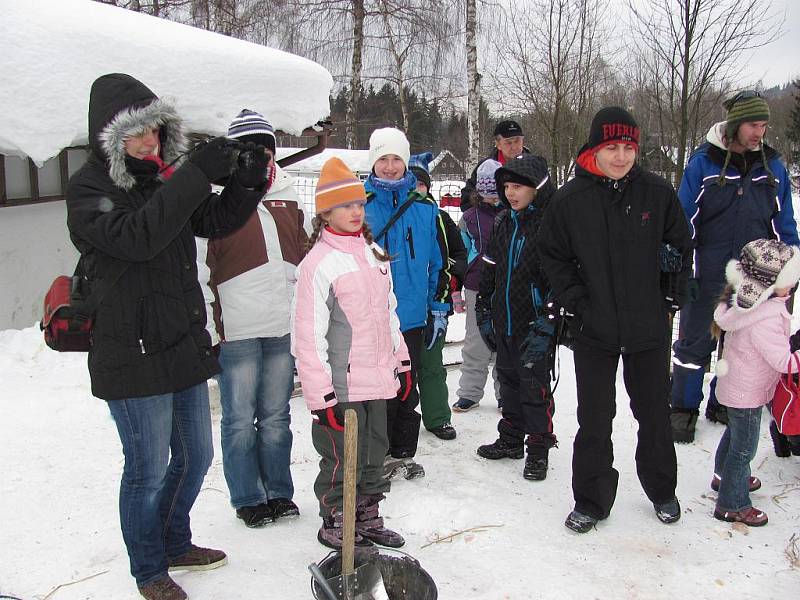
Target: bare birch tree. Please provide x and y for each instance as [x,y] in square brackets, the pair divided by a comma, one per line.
[691,50]
[473,86]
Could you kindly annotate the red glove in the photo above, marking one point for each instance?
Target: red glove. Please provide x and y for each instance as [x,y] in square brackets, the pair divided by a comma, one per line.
[405,385]
[330,417]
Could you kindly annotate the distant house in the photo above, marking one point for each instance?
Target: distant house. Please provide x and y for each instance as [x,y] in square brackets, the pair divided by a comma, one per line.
[447,166]
[657,159]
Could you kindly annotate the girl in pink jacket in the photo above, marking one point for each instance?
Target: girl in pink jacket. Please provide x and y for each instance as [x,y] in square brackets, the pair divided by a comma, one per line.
[753,315]
[349,351]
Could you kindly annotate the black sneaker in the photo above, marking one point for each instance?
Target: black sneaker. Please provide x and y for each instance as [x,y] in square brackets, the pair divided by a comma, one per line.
[283,507]
[255,516]
[535,467]
[444,432]
[668,512]
[579,522]
[683,423]
[501,449]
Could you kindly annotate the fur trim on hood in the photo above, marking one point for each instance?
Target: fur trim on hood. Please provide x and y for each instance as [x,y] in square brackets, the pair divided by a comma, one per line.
[121,106]
[133,121]
[716,135]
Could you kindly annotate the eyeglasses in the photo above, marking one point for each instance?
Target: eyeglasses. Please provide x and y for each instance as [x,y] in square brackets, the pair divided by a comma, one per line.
[743,95]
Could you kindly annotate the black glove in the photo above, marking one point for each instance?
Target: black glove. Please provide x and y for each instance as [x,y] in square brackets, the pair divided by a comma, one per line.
[330,417]
[483,316]
[215,158]
[251,167]
[536,345]
[794,341]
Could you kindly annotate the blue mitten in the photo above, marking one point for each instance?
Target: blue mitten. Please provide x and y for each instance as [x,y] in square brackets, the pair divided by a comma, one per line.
[436,328]
[483,316]
[536,345]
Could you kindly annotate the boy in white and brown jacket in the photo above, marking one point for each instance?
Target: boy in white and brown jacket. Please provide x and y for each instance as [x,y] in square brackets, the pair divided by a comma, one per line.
[252,277]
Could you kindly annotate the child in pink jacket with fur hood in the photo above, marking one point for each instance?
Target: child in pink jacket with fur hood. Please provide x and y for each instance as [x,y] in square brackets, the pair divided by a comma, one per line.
[753,315]
[350,352]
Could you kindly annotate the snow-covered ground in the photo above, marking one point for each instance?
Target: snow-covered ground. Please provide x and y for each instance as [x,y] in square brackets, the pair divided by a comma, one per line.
[505,538]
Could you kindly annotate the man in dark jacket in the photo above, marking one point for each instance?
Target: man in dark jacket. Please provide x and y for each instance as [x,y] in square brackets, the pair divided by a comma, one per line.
[735,189]
[512,317]
[132,217]
[602,241]
[508,143]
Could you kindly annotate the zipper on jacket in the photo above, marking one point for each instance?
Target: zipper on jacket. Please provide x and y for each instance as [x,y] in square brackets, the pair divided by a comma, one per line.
[410,240]
[508,276]
[141,319]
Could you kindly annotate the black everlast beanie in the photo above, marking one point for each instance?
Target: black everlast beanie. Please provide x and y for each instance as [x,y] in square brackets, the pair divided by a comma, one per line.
[508,129]
[613,124]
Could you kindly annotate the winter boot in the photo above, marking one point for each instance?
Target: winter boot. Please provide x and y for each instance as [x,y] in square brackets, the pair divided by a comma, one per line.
[538,449]
[444,432]
[331,534]
[683,422]
[369,523]
[580,522]
[510,444]
[669,511]
[402,468]
[779,441]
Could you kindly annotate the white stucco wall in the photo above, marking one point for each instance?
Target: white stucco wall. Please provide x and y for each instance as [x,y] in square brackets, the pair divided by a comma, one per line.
[34,249]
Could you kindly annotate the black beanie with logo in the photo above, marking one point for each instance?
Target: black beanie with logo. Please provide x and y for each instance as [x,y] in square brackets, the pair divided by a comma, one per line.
[612,125]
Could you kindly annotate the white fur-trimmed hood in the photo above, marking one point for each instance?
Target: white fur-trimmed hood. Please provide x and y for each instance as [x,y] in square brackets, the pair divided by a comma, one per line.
[133,121]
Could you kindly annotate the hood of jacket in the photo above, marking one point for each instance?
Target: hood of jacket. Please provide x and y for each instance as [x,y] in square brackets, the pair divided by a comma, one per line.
[731,318]
[121,106]
[534,172]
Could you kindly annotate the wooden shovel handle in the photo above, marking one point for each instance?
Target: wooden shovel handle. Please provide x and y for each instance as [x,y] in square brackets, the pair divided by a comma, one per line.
[349,508]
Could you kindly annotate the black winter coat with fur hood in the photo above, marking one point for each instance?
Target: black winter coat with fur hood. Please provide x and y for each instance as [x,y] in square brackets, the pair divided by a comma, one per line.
[599,245]
[149,332]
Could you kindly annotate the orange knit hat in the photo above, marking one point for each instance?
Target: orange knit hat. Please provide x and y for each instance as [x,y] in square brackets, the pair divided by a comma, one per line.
[337,186]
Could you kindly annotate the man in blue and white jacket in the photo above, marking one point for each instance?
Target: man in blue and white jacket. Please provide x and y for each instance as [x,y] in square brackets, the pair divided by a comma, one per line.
[421,288]
[735,190]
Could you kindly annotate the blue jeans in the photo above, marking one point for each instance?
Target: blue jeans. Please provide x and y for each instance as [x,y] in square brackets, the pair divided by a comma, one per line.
[255,386]
[166,440]
[736,450]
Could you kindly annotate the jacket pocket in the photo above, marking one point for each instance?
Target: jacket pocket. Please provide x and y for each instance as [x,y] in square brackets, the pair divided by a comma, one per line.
[410,241]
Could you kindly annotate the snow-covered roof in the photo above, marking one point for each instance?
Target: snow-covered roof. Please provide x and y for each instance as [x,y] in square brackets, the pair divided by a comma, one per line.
[54,49]
[444,153]
[357,160]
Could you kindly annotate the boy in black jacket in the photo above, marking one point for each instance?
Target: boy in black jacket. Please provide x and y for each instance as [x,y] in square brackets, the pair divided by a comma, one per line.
[603,240]
[511,312]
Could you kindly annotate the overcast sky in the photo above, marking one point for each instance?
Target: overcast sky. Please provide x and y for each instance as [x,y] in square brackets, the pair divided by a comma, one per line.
[780,60]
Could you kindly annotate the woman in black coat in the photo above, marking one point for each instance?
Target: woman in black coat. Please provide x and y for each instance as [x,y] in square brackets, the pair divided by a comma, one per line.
[132,216]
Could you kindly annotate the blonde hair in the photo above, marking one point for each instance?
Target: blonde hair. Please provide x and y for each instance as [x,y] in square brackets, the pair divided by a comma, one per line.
[318,224]
[726,297]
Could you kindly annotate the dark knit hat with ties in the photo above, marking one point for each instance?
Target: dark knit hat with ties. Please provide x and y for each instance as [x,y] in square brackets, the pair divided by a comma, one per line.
[744,107]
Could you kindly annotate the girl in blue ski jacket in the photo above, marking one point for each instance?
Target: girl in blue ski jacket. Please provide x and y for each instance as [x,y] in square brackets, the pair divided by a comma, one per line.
[404,223]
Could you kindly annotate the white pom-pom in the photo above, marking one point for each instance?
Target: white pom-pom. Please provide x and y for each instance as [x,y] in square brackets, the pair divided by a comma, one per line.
[722,367]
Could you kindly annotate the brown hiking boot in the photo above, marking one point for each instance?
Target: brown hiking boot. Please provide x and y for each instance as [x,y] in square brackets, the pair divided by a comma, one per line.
[752,517]
[198,559]
[163,589]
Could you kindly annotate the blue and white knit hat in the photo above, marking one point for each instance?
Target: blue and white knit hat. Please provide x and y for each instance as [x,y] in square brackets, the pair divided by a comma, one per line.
[485,183]
[249,126]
